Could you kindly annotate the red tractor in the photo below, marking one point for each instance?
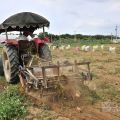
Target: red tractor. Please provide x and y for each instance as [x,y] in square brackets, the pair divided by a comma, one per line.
[30,61]
[18,52]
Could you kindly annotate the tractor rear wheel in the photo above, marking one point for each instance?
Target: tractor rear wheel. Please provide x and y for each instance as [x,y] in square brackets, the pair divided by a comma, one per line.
[10,64]
[44,52]
[1,67]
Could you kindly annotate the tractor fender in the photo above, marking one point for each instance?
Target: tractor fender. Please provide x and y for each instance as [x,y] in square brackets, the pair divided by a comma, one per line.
[39,41]
[10,42]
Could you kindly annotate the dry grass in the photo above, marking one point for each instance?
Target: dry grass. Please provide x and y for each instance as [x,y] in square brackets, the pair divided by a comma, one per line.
[105,66]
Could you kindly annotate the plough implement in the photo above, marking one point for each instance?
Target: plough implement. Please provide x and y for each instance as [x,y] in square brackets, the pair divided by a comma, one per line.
[48,75]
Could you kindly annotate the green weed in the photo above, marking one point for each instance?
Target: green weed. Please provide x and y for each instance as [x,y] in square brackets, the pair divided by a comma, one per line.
[11,104]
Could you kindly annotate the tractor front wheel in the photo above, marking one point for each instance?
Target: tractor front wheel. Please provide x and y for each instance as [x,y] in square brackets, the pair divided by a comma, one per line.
[10,64]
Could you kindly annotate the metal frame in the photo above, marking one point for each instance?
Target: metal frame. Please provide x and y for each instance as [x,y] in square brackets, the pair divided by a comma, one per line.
[42,82]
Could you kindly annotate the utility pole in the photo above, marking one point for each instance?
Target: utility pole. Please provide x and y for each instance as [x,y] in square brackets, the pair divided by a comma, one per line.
[116,29]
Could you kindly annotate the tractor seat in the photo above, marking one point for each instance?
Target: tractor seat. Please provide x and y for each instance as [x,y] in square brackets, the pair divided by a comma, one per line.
[25,47]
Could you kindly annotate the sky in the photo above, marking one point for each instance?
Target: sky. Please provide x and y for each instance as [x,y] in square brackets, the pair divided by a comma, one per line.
[88,17]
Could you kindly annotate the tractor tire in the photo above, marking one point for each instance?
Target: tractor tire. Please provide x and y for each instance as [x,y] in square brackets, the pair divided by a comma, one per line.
[1,67]
[44,52]
[10,64]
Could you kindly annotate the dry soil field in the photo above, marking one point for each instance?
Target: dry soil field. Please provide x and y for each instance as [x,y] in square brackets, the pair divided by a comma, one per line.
[99,98]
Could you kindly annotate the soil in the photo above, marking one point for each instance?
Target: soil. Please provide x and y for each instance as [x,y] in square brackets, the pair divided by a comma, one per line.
[76,103]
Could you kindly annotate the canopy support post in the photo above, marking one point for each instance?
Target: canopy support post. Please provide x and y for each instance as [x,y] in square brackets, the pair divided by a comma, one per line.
[44,30]
[6,34]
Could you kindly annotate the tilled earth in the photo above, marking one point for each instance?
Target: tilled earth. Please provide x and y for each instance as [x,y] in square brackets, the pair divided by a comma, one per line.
[82,105]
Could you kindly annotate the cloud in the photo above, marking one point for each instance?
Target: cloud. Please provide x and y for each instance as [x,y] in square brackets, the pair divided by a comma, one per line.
[93,23]
[52,3]
[100,1]
[74,14]
[114,7]
[66,16]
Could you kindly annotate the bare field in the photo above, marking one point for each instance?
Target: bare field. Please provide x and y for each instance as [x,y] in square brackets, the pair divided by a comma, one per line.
[104,65]
[105,87]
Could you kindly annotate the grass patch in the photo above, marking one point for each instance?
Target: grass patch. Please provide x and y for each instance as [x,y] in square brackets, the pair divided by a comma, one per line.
[115,71]
[11,104]
[2,79]
[94,75]
[108,92]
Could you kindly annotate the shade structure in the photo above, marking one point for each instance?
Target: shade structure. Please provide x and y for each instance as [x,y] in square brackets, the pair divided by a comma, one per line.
[24,21]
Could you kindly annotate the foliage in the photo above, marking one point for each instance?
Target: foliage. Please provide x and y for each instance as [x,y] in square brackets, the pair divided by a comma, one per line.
[81,38]
[42,35]
[77,38]
[11,106]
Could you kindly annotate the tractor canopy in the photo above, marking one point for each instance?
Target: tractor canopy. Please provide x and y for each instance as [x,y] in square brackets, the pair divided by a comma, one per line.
[24,21]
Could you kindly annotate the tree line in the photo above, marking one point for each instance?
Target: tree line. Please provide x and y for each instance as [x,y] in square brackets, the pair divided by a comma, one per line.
[54,37]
